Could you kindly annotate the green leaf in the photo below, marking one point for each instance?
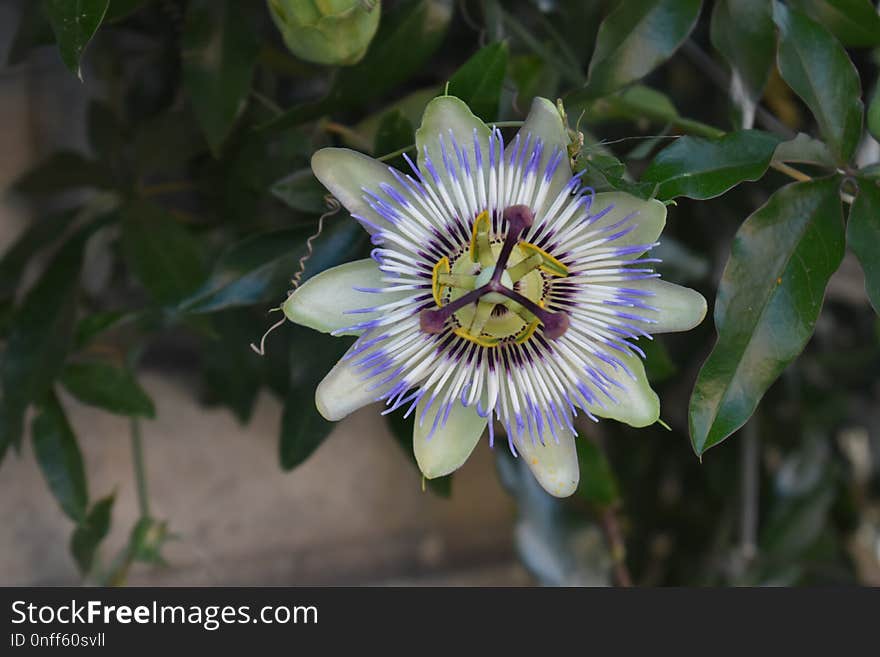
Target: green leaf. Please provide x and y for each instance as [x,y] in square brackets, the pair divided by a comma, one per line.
[394,132]
[258,269]
[219,53]
[120,9]
[768,301]
[479,80]
[233,376]
[598,485]
[874,113]
[805,149]
[87,535]
[161,253]
[33,31]
[863,236]
[166,142]
[105,386]
[303,429]
[742,31]
[40,334]
[705,168]
[604,172]
[636,37]
[408,35]
[659,365]
[91,326]
[60,459]
[61,172]
[402,431]
[854,22]
[818,70]
[39,235]
[74,23]
[301,191]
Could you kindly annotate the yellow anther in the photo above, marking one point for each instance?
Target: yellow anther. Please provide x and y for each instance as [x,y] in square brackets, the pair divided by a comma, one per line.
[481,247]
[482,340]
[442,267]
[478,322]
[549,264]
[461,281]
[524,266]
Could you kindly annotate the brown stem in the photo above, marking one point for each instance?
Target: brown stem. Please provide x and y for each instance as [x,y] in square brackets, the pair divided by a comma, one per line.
[611,526]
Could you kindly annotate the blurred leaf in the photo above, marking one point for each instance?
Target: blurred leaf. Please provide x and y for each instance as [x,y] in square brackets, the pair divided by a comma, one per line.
[37,236]
[259,268]
[802,497]
[863,237]
[112,388]
[87,535]
[805,149]
[301,191]
[658,363]
[532,77]
[59,458]
[705,168]
[106,133]
[166,142]
[62,171]
[818,70]
[479,80]
[33,31]
[394,132]
[598,484]
[636,37]
[874,113]
[160,252]
[230,374]
[768,300]
[91,326]
[402,430]
[632,103]
[742,31]
[219,51]
[120,9]
[74,23]
[853,22]
[146,541]
[408,35]
[411,106]
[303,429]
[39,336]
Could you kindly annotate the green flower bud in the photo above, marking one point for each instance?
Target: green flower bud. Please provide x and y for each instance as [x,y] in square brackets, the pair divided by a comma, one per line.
[334,32]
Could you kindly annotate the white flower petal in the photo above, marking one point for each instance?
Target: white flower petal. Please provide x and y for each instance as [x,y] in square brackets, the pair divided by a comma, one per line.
[649,218]
[324,302]
[545,123]
[637,403]
[346,173]
[678,308]
[442,115]
[344,390]
[451,444]
[555,465]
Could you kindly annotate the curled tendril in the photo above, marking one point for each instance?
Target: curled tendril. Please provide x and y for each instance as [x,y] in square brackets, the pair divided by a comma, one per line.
[333,206]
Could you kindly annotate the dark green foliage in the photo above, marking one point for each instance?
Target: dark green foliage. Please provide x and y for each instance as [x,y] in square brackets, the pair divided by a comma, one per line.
[195,183]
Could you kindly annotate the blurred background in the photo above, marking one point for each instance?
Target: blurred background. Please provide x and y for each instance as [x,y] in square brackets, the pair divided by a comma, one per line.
[174,455]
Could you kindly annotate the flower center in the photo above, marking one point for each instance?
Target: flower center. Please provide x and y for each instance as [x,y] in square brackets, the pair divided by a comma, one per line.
[487,299]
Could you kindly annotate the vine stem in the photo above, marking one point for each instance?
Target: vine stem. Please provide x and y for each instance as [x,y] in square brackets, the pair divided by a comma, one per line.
[611,527]
[140,471]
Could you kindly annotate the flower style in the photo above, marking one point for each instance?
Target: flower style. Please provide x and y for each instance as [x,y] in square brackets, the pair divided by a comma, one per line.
[500,288]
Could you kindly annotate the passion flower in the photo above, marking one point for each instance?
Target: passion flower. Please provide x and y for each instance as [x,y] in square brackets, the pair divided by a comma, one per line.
[500,289]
